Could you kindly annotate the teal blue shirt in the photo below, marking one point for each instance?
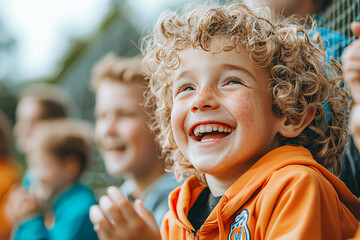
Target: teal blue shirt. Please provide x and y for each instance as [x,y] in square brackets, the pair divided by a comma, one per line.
[71,210]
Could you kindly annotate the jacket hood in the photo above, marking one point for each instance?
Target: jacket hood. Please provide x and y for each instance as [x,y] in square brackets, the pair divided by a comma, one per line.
[248,184]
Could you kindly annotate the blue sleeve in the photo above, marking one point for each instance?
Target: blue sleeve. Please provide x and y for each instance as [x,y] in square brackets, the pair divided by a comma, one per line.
[33,229]
[26,180]
[160,211]
[73,227]
[72,221]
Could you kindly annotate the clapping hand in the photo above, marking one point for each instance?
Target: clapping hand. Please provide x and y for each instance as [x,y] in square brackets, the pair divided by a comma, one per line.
[116,218]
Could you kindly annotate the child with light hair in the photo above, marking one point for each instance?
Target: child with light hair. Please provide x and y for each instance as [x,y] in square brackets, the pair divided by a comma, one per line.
[240,108]
[38,102]
[58,155]
[127,145]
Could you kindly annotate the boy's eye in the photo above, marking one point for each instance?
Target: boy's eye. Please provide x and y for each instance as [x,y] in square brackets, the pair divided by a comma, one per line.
[186,87]
[126,114]
[232,81]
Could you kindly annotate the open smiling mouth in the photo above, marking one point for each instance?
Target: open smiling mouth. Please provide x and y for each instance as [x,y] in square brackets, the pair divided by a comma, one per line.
[210,132]
[114,148]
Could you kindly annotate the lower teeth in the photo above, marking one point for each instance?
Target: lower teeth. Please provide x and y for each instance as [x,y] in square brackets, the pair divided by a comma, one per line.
[206,140]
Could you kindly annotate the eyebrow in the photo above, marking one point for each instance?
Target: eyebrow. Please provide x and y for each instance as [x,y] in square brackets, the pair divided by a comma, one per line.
[237,67]
[180,76]
[226,66]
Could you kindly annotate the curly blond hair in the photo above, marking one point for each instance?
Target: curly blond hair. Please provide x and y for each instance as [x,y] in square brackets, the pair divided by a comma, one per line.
[301,78]
[119,70]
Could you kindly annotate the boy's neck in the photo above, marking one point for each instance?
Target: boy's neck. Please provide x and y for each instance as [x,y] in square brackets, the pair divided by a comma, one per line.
[218,187]
[143,181]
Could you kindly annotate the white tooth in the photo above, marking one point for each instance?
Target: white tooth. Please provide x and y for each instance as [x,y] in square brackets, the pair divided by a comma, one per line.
[208,129]
[214,129]
[195,131]
[202,129]
[221,129]
[225,129]
[206,140]
[229,130]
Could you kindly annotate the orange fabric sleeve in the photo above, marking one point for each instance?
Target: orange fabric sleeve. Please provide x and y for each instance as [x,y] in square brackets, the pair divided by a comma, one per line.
[164,229]
[297,203]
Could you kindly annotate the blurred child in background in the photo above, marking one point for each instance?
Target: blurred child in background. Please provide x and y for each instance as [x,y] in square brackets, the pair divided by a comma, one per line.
[9,173]
[126,143]
[351,66]
[36,103]
[58,154]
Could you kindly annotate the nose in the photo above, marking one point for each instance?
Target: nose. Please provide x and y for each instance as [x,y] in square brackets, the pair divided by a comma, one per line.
[204,100]
[110,126]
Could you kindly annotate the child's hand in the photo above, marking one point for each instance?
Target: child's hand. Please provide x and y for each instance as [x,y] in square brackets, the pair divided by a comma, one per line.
[351,64]
[355,125]
[116,218]
[21,204]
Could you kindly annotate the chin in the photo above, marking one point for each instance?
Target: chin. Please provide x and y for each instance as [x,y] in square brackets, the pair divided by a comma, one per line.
[114,171]
[206,157]
[116,167]
[44,193]
[202,165]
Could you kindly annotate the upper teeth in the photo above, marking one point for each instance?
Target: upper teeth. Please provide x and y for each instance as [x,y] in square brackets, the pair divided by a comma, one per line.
[208,129]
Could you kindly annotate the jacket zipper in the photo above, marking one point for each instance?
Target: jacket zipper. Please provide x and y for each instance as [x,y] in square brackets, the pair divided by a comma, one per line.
[196,236]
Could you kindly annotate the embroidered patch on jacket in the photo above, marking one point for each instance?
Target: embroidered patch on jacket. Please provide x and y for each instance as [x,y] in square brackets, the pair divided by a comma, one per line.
[239,229]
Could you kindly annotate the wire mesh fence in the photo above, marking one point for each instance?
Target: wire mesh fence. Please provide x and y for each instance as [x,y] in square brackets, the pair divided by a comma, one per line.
[340,15]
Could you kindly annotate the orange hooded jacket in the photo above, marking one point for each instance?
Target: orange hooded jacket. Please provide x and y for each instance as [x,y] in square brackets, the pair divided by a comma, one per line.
[285,195]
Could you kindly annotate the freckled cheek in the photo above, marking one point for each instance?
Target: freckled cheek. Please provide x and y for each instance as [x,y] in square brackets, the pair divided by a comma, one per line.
[243,109]
[177,121]
[180,103]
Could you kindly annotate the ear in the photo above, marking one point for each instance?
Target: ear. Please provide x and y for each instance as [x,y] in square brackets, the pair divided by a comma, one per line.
[72,167]
[291,129]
